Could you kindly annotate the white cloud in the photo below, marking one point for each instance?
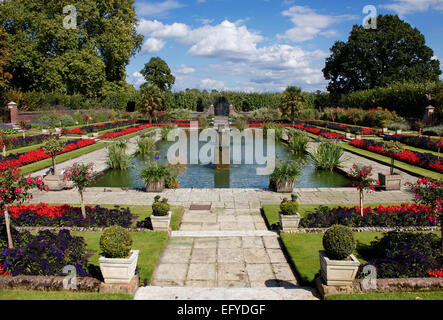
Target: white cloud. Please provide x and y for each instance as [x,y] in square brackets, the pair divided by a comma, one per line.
[242,54]
[210,84]
[403,7]
[137,79]
[184,69]
[152,45]
[148,9]
[308,23]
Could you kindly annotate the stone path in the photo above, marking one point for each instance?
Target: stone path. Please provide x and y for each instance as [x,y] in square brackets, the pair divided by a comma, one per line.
[224,254]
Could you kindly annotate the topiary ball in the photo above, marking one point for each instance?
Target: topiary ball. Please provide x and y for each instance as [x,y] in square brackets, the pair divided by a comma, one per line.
[115,242]
[160,208]
[338,242]
[288,207]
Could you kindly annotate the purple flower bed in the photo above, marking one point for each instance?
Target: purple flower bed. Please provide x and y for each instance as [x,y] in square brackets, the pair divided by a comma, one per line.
[404,255]
[71,217]
[341,127]
[415,141]
[105,126]
[391,216]
[20,142]
[44,254]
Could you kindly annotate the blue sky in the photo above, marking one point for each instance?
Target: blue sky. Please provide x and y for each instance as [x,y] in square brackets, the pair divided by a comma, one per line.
[260,45]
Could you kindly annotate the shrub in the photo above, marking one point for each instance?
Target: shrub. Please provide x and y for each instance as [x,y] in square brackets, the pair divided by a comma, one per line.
[399,126]
[146,145]
[338,242]
[117,157]
[289,207]
[160,208]
[153,172]
[434,131]
[67,121]
[298,141]
[404,255]
[327,156]
[115,242]
[286,171]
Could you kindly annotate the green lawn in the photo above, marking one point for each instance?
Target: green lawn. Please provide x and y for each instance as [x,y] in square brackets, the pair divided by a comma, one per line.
[271,210]
[61,158]
[60,295]
[150,244]
[390,296]
[303,249]
[398,164]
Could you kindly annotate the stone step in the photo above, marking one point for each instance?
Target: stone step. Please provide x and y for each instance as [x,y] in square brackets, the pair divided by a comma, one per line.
[224,234]
[233,294]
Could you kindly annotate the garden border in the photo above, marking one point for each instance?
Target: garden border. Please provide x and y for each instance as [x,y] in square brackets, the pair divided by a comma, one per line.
[77,229]
[367,229]
[47,283]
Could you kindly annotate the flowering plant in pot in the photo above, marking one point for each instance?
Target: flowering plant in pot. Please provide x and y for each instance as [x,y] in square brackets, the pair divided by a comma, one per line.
[118,262]
[285,174]
[289,216]
[154,176]
[338,265]
[391,181]
[361,177]
[161,214]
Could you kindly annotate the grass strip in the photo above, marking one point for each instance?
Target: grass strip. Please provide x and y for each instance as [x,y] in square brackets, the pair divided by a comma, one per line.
[33,167]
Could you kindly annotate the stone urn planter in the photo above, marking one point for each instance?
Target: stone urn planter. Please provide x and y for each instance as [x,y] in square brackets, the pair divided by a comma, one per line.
[95,134]
[348,135]
[155,186]
[338,272]
[358,136]
[282,187]
[390,181]
[161,223]
[385,130]
[54,182]
[289,222]
[119,270]
[398,131]
[58,130]
[45,131]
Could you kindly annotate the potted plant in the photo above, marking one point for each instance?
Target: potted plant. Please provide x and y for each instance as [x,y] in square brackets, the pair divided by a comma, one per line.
[348,133]
[285,174]
[154,176]
[338,265]
[391,181]
[161,215]
[362,179]
[52,146]
[118,262]
[289,217]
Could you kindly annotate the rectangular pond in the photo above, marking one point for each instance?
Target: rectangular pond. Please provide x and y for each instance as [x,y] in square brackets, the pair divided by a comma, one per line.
[238,176]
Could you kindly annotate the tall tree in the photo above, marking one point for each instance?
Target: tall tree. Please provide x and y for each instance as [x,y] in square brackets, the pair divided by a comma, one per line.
[150,100]
[5,57]
[103,35]
[292,102]
[392,52]
[157,72]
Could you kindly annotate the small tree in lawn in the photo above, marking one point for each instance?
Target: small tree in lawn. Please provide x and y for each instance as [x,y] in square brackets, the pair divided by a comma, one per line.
[81,175]
[392,147]
[439,145]
[14,189]
[361,177]
[52,146]
[430,193]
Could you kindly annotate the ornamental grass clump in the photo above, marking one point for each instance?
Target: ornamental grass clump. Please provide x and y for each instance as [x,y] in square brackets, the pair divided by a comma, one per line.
[287,171]
[154,172]
[146,146]
[298,141]
[116,242]
[117,157]
[328,156]
[160,208]
[289,207]
[338,242]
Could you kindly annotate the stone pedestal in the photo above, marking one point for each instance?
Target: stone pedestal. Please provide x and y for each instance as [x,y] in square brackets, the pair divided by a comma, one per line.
[289,222]
[129,288]
[390,182]
[338,272]
[155,186]
[54,182]
[161,223]
[13,109]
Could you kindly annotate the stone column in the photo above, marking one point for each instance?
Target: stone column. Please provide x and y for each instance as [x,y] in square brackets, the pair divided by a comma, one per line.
[222,152]
[12,106]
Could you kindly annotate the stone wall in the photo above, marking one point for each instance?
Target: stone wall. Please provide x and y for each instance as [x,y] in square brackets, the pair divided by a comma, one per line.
[43,283]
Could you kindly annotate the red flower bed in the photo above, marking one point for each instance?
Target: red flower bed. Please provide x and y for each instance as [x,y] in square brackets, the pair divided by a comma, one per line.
[41,209]
[39,154]
[436,273]
[124,132]
[428,161]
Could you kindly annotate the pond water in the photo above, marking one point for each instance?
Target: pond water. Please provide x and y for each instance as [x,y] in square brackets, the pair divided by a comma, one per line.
[238,176]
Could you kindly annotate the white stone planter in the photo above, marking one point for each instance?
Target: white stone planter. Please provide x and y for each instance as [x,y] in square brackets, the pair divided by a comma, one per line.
[385,130]
[390,182]
[348,135]
[119,270]
[54,182]
[45,131]
[95,134]
[338,272]
[282,187]
[289,222]
[358,137]
[161,223]
[398,131]
[58,130]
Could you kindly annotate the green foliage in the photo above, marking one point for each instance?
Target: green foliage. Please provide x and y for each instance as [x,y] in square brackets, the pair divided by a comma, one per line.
[67,121]
[153,172]
[393,52]
[240,123]
[4,60]
[399,126]
[272,126]
[160,208]
[81,175]
[150,100]
[115,242]
[339,243]
[289,207]
[392,147]
[117,157]
[292,102]
[52,146]
[328,156]
[158,73]
[298,141]
[165,131]
[47,57]
[287,171]
[146,146]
